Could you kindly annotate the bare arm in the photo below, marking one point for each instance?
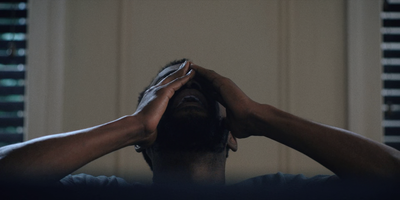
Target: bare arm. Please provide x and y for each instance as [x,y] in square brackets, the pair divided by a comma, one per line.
[347,154]
[50,158]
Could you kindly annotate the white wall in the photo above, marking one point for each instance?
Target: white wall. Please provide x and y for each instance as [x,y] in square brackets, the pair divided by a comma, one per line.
[290,54]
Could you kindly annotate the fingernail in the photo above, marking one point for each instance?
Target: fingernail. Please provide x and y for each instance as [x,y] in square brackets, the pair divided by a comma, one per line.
[183,65]
[189,72]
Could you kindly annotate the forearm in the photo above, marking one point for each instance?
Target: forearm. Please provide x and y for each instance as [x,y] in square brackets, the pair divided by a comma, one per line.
[347,154]
[50,158]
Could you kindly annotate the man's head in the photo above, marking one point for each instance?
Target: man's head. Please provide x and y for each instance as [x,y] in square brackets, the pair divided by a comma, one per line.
[192,121]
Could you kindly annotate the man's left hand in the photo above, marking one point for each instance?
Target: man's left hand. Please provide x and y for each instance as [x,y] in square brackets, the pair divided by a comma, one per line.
[238,105]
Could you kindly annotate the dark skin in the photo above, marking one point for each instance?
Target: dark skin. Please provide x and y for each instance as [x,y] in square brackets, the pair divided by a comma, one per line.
[50,158]
[347,154]
[185,167]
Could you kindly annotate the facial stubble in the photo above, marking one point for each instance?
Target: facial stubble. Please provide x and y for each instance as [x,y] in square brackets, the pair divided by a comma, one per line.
[191,129]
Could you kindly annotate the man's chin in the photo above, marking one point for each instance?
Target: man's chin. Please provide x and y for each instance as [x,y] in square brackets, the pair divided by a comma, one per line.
[190,111]
[189,129]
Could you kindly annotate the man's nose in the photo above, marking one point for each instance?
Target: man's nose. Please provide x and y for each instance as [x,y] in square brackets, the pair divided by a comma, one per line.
[193,84]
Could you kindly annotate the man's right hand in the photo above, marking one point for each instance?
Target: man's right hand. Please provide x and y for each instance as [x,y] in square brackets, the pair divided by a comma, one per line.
[155,101]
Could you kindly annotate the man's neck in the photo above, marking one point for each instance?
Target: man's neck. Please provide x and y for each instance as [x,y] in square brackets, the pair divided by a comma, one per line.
[189,168]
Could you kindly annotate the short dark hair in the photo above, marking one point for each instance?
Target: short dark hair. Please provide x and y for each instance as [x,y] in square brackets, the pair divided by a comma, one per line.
[141,94]
[175,62]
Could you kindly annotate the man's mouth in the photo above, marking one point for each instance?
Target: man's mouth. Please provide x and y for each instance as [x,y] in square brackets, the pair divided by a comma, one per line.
[189,98]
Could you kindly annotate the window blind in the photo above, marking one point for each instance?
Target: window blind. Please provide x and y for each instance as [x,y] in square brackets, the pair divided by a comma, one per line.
[391,71]
[13,29]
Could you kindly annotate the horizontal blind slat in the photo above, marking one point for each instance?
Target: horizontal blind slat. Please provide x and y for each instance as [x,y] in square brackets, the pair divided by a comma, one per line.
[12,106]
[13,1]
[12,90]
[12,74]
[395,145]
[391,68]
[11,121]
[391,84]
[13,13]
[392,131]
[391,38]
[11,60]
[391,8]
[13,28]
[392,115]
[391,23]
[11,138]
[18,44]
[392,100]
[391,54]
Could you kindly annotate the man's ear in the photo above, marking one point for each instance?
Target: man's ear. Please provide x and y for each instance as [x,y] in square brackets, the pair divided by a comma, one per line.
[232,143]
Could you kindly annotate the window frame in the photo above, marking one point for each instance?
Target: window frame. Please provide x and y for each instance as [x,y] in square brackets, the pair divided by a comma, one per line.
[364,68]
[44,102]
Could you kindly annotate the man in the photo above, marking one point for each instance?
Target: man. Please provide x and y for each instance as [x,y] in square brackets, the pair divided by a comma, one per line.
[184,138]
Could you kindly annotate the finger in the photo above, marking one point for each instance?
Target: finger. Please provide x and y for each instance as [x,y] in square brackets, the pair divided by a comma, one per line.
[183,69]
[227,91]
[174,85]
[165,92]
[211,80]
[214,78]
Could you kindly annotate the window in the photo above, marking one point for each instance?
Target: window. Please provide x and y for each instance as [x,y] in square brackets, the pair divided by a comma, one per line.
[13,26]
[391,72]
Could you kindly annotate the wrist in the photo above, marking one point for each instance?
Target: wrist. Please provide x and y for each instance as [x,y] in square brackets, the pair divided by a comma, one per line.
[131,129]
[261,119]
[139,136]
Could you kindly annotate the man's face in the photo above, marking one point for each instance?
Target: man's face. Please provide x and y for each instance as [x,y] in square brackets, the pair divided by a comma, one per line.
[192,121]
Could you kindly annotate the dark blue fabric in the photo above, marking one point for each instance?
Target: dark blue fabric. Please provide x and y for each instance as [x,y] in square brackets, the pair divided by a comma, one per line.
[271,186]
[271,180]
[94,181]
[281,180]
